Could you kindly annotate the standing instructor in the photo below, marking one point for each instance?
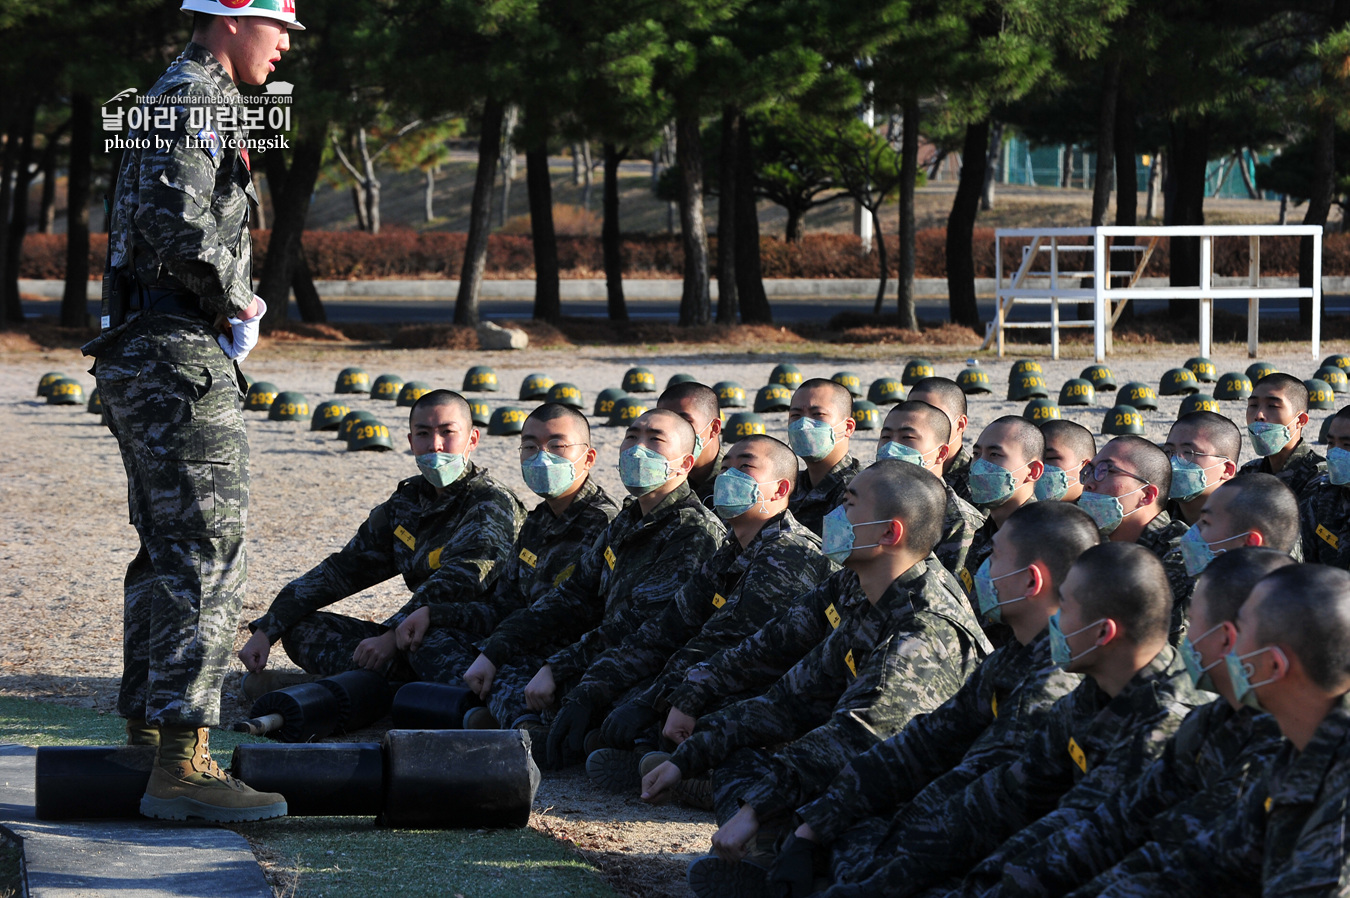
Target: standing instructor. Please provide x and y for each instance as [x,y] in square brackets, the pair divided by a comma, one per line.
[179,314]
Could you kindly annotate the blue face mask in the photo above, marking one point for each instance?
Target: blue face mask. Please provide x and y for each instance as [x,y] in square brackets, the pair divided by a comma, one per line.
[1054,483]
[903,452]
[1106,511]
[1060,653]
[1188,480]
[986,594]
[643,470]
[700,443]
[1195,666]
[548,475]
[1239,673]
[1338,466]
[1269,437]
[734,493]
[442,468]
[991,484]
[811,439]
[837,536]
[1197,554]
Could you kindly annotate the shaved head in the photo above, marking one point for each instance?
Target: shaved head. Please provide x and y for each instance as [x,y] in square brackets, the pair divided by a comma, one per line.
[1147,460]
[1129,587]
[1217,430]
[828,393]
[438,398]
[942,392]
[680,433]
[1307,608]
[782,462]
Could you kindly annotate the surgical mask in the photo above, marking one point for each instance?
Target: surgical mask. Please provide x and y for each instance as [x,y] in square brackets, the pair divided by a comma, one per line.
[811,439]
[903,452]
[1338,466]
[1106,511]
[991,484]
[1188,480]
[1060,653]
[1054,483]
[699,442]
[643,470]
[735,492]
[1197,554]
[442,468]
[837,536]
[986,595]
[1200,675]
[548,475]
[1269,437]
[1239,673]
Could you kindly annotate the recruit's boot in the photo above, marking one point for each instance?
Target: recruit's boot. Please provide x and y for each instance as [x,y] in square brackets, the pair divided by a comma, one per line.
[614,769]
[141,733]
[187,783]
[694,791]
[480,718]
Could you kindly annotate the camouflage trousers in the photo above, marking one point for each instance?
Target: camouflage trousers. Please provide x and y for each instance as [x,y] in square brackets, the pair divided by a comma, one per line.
[172,405]
[323,643]
[733,778]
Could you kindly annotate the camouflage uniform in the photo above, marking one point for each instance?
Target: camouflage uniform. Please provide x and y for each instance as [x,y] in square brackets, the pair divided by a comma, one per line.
[624,578]
[704,488]
[1160,537]
[958,475]
[981,546]
[1091,747]
[1324,515]
[179,220]
[457,543]
[959,526]
[811,502]
[884,664]
[1142,832]
[1304,466]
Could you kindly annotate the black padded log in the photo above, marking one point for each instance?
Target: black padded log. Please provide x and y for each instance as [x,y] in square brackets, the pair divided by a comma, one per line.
[85,782]
[458,778]
[363,697]
[432,706]
[308,711]
[331,779]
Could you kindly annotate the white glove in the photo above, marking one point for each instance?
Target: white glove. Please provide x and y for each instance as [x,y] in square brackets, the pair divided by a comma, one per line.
[243,334]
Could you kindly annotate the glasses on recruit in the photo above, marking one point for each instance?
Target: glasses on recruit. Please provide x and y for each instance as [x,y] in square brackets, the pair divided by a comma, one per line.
[1190,455]
[1102,470]
[553,447]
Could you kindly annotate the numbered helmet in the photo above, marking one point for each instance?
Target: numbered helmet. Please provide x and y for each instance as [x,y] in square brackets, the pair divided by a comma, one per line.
[1024,366]
[1334,377]
[506,421]
[1199,402]
[480,379]
[1138,394]
[535,386]
[729,394]
[260,396]
[915,371]
[66,391]
[480,412]
[681,378]
[742,424]
[568,395]
[412,391]
[639,380]
[786,375]
[974,379]
[1100,376]
[386,387]
[886,391]
[773,398]
[1203,369]
[1123,419]
[289,406]
[369,434]
[604,403]
[45,384]
[1233,385]
[352,380]
[1341,361]
[866,414]
[1038,411]
[849,381]
[95,406]
[328,415]
[1320,394]
[281,10]
[627,410]
[1178,382]
[350,421]
[1029,385]
[1078,391]
[1258,370]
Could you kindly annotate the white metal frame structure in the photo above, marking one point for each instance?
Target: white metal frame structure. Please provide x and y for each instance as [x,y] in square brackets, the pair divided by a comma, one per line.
[1039,287]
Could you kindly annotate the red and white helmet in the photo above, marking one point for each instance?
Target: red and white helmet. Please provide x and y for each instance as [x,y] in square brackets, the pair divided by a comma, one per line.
[281,10]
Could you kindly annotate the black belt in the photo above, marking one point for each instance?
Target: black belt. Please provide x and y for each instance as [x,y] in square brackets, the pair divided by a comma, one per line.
[156,301]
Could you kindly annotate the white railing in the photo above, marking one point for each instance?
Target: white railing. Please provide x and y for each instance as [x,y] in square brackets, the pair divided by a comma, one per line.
[1032,285]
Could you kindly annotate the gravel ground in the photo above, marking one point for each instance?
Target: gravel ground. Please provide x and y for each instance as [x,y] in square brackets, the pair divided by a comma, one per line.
[65,541]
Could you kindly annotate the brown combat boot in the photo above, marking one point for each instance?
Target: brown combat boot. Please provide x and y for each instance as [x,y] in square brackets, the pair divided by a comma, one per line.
[141,733]
[187,783]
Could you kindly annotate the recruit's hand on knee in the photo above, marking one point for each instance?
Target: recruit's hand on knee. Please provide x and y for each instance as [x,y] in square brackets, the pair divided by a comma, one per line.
[539,692]
[409,635]
[480,675]
[255,651]
[679,726]
[655,784]
[376,652]
[732,841]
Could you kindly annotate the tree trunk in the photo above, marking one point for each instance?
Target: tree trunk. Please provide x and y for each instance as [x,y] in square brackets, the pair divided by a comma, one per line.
[75,301]
[727,304]
[480,214]
[47,205]
[1106,142]
[306,294]
[1284,209]
[611,239]
[795,230]
[696,296]
[1319,204]
[18,225]
[1127,178]
[10,122]
[429,196]
[1189,159]
[754,301]
[1154,187]
[1248,179]
[991,166]
[359,204]
[1066,168]
[884,274]
[587,172]
[291,189]
[909,176]
[508,163]
[539,186]
[962,306]
[576,164]
[370,182]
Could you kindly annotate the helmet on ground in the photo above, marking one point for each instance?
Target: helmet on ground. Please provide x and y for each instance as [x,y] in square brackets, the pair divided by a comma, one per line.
[786,375]
[412,391]
[1024,366]
[773,398]
[886,391]
[350,421]
[627,410]
[1178,382]
[1123,419]
[387,387]
[742,424]
[45,384]
[1258,370]
[260,396]
[289,406]
[506,421]
[480,379]
[1027,386]
[1038,411]
[1138,394]
[849,381]
[369,433]
[604,403]
[639,380]
[866,414]
[568,395]
[973,379]
[1100,376]
[1077,391]
[95,406]
[281,10]
[352,380]
[729,394]
[1334,377]
[66,391]
[681,378]
[329,415]
[1320,394]
[1202,368]
[915,371]
[480,412]
[535,386]
[1233,385]
[1199,402]
[1340,360]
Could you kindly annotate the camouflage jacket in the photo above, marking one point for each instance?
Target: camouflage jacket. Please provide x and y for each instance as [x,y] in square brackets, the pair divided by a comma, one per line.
[1205,770]
[1324,517]
[981,545]
[463,536]
[1304,466]
[757,661]
[625,577]
[544,555]
[959,526]
[885,663]
[958,475]
[704,488]
[811,502]
[986,723]
[735,593]
[1160,537]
